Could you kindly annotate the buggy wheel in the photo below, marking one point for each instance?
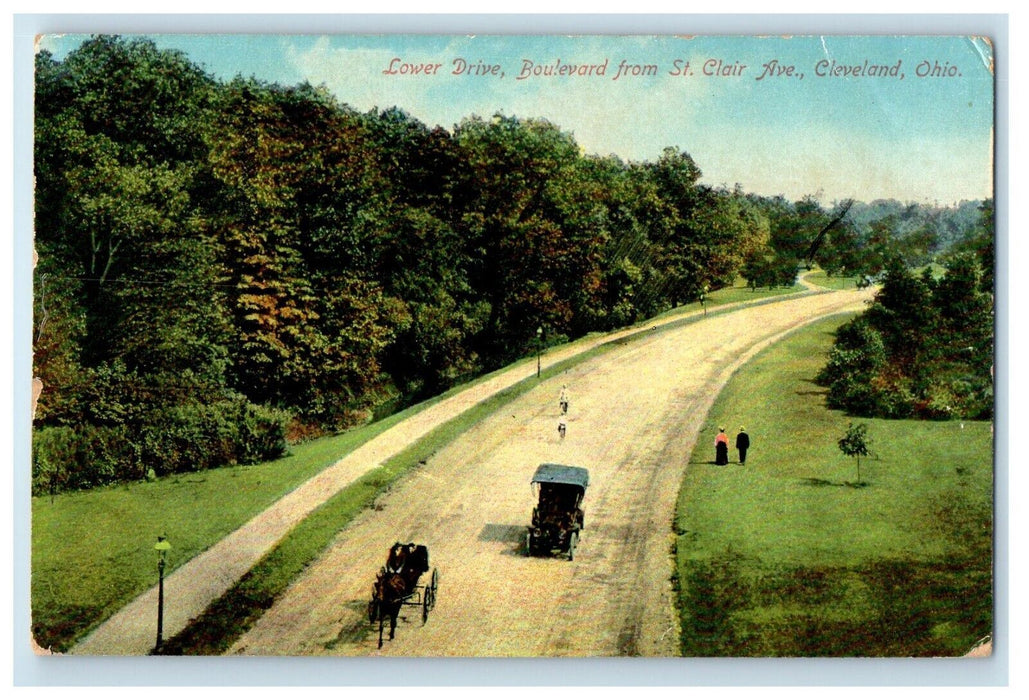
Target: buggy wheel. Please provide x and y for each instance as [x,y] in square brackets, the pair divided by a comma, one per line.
[528,544]
[434,586]
[426,604]
[573,539]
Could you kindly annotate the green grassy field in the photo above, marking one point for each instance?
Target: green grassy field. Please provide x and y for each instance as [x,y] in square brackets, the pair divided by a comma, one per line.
[820,278]
[790,555]
[92,550]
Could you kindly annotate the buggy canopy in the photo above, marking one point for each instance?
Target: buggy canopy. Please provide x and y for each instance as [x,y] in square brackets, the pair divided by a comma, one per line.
[561,474]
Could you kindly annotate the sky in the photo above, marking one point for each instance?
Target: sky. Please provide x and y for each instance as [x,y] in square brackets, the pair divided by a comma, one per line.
[829,126]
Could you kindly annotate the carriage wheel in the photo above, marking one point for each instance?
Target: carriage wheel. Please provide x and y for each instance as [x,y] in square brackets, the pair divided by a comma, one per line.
[573,539]
[435,586]
[528,544]
[426,604]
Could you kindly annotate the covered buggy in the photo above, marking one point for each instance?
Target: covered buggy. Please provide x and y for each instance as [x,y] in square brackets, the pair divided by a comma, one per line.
[557,518]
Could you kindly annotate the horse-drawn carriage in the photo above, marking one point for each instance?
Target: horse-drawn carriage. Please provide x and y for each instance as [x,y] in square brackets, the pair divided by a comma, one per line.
[396,585]
[558,518]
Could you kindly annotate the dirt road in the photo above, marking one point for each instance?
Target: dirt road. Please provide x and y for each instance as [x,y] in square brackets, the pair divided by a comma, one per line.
[636,413]
[204,578]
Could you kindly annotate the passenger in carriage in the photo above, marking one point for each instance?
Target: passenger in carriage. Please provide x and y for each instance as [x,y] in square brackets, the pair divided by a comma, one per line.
[396,558]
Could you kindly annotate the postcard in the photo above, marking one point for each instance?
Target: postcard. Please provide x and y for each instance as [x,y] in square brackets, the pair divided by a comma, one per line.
[513,346]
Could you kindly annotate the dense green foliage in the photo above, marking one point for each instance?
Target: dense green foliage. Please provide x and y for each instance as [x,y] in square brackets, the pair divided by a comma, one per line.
[225,267]
[788,556]
[923,349]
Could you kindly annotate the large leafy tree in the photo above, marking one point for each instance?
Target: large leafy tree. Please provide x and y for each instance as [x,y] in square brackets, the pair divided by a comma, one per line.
[727,230]
[905,316]
[629,289]
[131,330]
[534,231]
[256,158]
[841,254]
[121,131]
[678,259]
[964,341]
[419,257]
[310,320]
[794,226]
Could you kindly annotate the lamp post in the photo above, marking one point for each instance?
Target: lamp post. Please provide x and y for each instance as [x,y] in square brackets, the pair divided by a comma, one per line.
[162,548]
[539,349]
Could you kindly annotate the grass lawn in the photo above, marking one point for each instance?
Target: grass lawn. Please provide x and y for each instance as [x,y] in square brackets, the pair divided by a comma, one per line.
[793,555]
[819,277]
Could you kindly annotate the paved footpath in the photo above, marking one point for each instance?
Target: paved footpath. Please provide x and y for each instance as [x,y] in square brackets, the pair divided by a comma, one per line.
[132,631]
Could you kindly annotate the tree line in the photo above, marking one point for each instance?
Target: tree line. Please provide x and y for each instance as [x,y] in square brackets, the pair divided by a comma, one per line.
[925,347]
[228,266]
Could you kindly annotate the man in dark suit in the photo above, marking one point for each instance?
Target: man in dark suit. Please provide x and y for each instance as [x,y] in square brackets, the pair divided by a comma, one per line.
[742,444]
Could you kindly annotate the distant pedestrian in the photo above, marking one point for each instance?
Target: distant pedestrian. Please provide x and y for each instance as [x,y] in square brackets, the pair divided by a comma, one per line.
[721,447]
[563,401]
[561,427]
[742,444]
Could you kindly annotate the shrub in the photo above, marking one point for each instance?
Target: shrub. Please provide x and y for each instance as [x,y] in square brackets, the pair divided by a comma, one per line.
[262,433]
[893,395]
[76,458]
[859,349]
[852,394]
[183,438]
[940,404]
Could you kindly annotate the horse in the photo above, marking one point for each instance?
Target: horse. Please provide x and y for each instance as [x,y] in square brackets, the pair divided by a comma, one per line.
[405,563]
